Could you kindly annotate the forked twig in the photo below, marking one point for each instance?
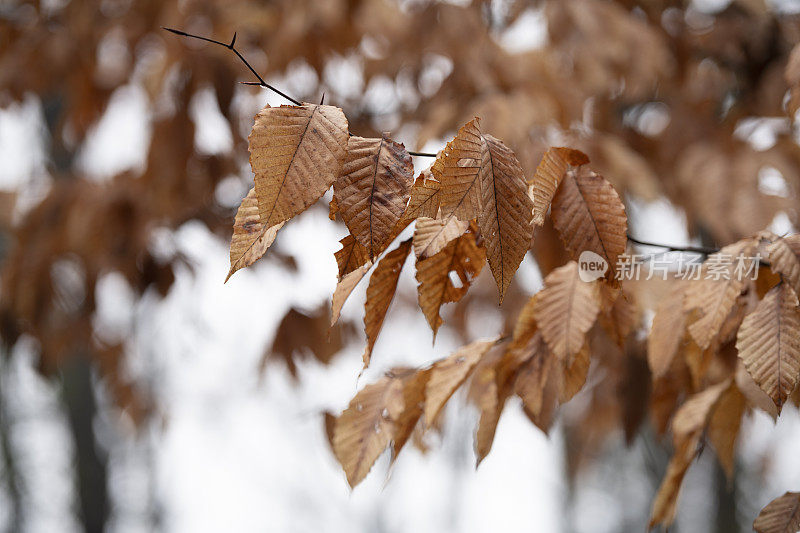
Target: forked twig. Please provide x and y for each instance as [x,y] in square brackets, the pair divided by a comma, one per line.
[260,82]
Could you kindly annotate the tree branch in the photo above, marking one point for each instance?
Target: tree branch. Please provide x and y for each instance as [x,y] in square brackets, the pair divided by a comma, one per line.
[260,82]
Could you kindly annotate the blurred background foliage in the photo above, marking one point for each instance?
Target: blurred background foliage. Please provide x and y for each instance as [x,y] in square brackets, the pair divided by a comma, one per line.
[688,102]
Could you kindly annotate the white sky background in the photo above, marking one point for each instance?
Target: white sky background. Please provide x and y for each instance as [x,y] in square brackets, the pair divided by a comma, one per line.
[243,452]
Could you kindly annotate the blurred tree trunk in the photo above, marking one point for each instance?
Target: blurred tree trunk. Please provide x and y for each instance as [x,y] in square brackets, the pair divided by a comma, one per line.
[91,463]
[726,516]
[12,480]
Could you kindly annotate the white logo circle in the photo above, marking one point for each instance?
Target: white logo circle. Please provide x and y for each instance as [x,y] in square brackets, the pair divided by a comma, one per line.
[591,266]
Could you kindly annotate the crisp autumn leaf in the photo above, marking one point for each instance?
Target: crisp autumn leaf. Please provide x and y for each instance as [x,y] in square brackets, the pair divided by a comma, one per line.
[715,295]
[542,187]
[344,288]
[792,76]
[783,260]
[666,333]
[373,189]
[589,216]
[525,326]
[448,374]
[687,429]
[481,178]
[565,310]
[380,292]
[250,238]
[769,343]
[351,256]
[574,375]
[781,515]
[414,399]
[366,427]
[333,209]
[424,200]
[296,153]
[433,234]
[723,428]
[465,259]
[538,383]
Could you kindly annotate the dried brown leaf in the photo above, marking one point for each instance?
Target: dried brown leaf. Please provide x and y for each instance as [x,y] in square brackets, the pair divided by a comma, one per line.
[296,153]
[464,258]
[481,178]
[364,429]
[769,343]
[448,374]
[589,216]
[666,334]
[373,189]
[565,310]
[433,234]
[554,164]
[781,515]
[380,292]
[251,238]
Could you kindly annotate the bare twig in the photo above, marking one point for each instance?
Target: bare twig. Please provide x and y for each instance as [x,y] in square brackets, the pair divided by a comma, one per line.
[692,249]
[260,82]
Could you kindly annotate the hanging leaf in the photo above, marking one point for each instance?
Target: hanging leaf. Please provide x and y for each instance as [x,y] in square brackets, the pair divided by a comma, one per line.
[448,374]
[351,256]
[344,288]
[414,400]
[687,429]
[424,200]
[373,189]
[666,334]
[769,344]
[554,164]
[781,515]
[538,383]
[463,257]
[296,153]
[481,178]
[433,234]
[589,216]
[723,428]
[574,375]
[380,292]
[251,238]
[715,294]
[525,327]
[365,428]
[784,261]
[565,310]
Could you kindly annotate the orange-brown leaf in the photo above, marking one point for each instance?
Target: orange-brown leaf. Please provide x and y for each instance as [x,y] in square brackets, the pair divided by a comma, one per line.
[666,334]
[769,343]
[565,310]
[433,234]
[464,258]
[365,428]
[554,164]
[380,292]
[781,515]
[589,216]
[448,374]
[481,178]
[296,153]
[373,189]
[250,238]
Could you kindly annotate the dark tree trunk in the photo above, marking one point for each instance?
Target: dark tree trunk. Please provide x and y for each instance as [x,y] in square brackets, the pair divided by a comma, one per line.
[91,463]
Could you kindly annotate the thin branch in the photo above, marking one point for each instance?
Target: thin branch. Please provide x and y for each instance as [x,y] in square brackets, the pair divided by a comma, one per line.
[260,82]
[231,47]
[692,249]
